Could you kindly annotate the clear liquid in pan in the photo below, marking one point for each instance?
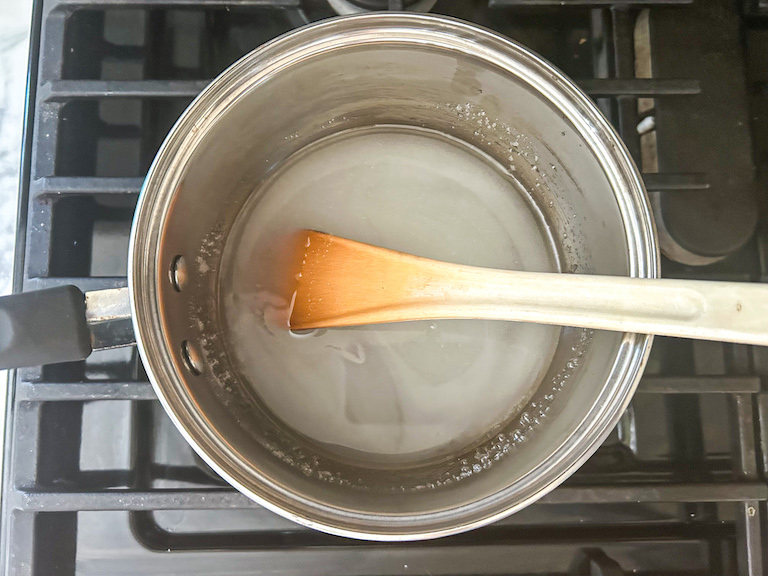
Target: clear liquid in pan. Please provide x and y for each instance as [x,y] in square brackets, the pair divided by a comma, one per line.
[405,392]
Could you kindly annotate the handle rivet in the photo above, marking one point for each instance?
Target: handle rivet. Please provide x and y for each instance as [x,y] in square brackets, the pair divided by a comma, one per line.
[178,273]
[192,358]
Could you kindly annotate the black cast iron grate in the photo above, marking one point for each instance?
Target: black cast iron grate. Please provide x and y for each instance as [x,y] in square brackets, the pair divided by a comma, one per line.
[97,480]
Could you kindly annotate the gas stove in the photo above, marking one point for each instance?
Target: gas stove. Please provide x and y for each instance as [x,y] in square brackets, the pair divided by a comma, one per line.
[98,481]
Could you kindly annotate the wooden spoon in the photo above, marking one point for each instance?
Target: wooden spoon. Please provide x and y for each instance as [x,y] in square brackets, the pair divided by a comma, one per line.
[338,282]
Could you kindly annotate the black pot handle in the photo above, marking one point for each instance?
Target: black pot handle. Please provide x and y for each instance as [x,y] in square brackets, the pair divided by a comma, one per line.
[62,325]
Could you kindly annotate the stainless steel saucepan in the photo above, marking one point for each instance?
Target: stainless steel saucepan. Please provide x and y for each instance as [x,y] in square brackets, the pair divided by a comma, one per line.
[352,72]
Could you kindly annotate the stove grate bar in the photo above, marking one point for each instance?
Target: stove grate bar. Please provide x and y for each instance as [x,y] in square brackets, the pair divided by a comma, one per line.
[27,391]
[91,4]
[56,186]
[222,499]
[58,90]
[598,3]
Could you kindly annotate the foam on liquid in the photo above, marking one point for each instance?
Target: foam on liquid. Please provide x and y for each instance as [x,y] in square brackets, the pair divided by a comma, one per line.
[402,392]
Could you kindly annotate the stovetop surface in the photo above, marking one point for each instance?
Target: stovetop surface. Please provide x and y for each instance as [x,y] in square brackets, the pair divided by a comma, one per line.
[98,481]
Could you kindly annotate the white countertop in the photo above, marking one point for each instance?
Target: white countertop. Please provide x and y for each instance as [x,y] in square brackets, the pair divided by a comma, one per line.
[14,42]
[15,20]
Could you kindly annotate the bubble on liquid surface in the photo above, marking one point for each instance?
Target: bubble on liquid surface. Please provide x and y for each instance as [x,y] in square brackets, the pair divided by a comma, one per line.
[402,390]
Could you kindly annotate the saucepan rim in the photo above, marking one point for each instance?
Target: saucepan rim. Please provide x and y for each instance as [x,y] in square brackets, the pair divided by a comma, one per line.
[164,176]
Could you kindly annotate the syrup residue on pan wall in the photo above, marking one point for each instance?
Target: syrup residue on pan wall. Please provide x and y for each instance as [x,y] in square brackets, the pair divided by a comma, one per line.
[403,392]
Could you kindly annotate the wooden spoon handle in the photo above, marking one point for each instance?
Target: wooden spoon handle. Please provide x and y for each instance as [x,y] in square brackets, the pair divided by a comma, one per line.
[728,311]
[344,283]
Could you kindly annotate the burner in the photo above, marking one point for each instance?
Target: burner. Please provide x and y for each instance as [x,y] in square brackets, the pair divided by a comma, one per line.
[357,6]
